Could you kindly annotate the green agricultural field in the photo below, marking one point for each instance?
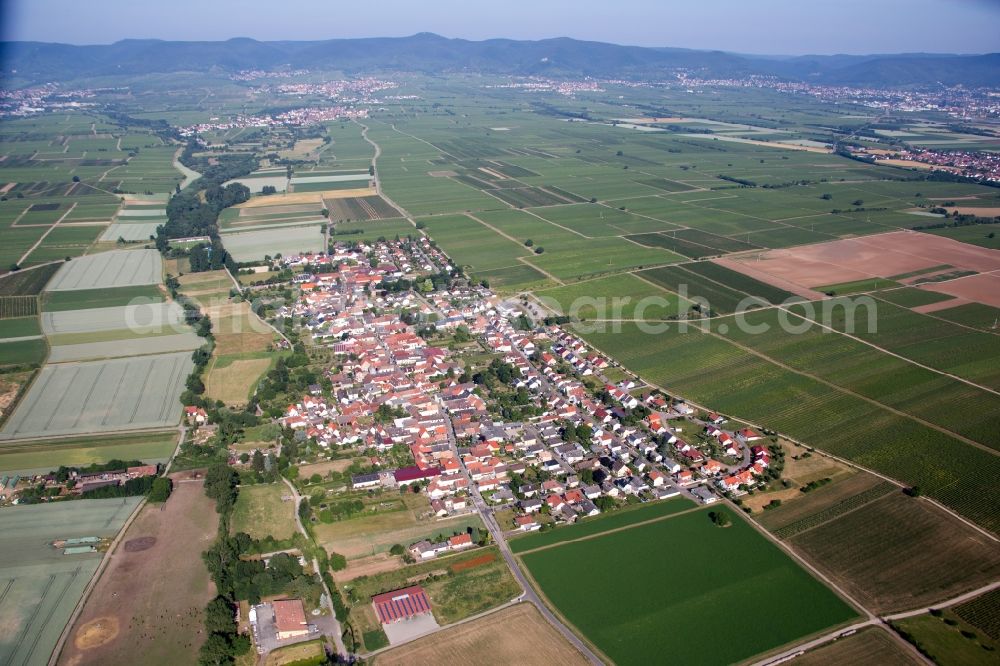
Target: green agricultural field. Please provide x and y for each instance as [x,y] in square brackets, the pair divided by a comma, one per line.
[926,339]
[738,574]
[44,455]
[857,287]
[983,612]
[975,315]
[983,235]
[19,327]
[22,352]
[954,644]
[604,522]
[616,297]
[27,282]
[713,371]
[911,297]
[470,243]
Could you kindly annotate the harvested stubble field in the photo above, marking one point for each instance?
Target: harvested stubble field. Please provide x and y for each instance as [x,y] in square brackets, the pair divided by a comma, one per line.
[102,396]
[151,597]
[898,553]
[517,635]
[265,510]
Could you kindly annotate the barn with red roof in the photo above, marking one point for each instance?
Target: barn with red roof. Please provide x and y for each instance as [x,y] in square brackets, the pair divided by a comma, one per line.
[401,604]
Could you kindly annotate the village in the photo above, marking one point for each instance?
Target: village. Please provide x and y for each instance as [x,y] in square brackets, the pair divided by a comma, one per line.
[450,391]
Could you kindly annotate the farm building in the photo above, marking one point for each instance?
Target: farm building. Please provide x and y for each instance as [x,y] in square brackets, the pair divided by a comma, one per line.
[401,604]
[289,619]
[410,474]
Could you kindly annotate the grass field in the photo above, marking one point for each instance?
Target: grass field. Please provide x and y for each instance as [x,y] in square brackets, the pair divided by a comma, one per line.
[517,635]
[233,378]
[957,644]
[45,455]
[378,532]
[738,574]
[261,511]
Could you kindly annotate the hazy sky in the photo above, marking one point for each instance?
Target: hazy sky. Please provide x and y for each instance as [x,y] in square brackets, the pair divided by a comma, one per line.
[745,26]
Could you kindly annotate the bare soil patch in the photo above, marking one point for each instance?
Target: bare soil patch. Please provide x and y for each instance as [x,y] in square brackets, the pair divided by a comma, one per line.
[368,566]
[517,635]
[941,305]
[97,633]
[983,288]
[140,544]
[973,210]
[442,174]
[854,259]
[150,602]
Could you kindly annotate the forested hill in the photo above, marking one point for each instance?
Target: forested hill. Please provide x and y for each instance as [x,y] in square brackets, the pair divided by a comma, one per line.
[35,62]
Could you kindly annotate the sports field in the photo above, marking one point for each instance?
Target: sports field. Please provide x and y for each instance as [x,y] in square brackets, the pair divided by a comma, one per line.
[696,573]
[41,585]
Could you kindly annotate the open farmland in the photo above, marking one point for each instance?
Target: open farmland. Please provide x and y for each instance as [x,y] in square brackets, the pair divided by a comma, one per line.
[897,553]
[616,297]
[102,396]
[118,268]
[693,364]
[872,646]
[517,635]
[155,573]
[43,455]
[286,241]
[859,259]
[948,640]
[41,585]
[776,600]
[140,319]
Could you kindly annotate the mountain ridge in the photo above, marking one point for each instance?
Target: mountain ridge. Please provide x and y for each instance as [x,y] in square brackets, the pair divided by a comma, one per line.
[557,57]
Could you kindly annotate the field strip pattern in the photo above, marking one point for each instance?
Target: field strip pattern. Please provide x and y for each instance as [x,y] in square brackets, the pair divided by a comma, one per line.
[117,268]
[102,396]
[839,509]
